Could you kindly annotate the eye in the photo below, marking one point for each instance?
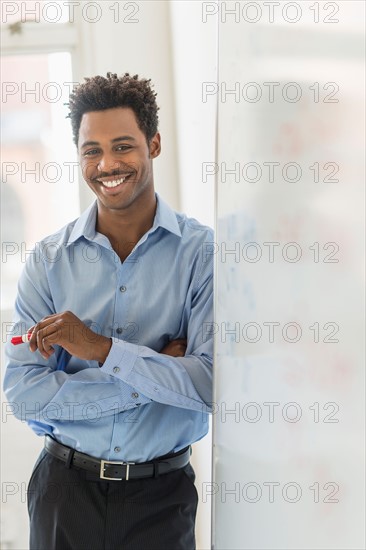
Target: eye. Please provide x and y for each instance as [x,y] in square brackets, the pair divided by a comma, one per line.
[123,147]
[90,152]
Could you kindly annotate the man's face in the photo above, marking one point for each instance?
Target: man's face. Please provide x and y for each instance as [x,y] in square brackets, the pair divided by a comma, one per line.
[115,158]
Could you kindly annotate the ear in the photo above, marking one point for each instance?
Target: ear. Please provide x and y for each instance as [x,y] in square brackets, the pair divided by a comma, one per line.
[155,146]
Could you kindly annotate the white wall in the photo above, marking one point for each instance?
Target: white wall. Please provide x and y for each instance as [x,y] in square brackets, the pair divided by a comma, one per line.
[194,46]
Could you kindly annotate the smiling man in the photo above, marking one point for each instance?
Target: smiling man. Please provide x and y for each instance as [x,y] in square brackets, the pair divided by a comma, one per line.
[118,371]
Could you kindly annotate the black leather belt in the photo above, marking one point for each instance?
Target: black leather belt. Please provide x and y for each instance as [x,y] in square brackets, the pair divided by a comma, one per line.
[117,471]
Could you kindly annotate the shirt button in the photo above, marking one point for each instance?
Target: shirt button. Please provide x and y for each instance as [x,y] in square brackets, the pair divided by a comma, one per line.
[119,330]
[117,449]
[134,395]
[116,369]
[122,288]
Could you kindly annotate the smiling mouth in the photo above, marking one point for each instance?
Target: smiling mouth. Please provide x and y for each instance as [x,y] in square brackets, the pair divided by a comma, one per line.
[110,183]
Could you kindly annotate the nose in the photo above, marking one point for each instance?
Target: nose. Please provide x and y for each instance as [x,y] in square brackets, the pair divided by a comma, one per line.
[107,163]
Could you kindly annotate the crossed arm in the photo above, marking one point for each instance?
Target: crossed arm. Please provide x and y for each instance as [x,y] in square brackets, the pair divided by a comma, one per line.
[68,331]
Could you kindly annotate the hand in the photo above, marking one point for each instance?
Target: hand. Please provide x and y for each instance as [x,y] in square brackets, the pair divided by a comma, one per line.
[69,332]
[175,348]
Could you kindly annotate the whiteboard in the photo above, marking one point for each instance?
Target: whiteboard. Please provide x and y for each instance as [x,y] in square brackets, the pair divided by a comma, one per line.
[288,411]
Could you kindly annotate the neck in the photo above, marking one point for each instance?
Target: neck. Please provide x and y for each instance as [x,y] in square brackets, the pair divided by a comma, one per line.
[125,227]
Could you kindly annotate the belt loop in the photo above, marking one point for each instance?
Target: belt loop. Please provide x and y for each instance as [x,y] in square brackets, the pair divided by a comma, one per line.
[156,469]
[69,458]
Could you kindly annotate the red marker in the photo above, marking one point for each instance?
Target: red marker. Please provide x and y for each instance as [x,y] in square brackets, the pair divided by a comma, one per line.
[21,339]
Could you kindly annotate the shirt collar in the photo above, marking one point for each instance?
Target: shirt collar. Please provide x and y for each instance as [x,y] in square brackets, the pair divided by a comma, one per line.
[165,217]
[85,225]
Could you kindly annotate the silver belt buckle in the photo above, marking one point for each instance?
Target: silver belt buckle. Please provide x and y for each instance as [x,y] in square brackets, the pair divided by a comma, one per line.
[102,469]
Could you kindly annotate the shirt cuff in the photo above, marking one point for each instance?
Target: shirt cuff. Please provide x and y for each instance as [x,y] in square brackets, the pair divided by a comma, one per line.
[121,359]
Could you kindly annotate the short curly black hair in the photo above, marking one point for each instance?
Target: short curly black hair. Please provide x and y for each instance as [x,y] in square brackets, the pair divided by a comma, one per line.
[99,93]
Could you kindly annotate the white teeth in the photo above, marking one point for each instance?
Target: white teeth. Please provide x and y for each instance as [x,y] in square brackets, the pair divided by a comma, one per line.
[113,183]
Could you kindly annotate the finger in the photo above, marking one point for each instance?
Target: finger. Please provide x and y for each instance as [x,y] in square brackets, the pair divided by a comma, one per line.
[33,339]
[46,321]
[52,316]
[45,337]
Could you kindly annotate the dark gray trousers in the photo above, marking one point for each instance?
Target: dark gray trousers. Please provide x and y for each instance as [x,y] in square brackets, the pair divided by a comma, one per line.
[72,509]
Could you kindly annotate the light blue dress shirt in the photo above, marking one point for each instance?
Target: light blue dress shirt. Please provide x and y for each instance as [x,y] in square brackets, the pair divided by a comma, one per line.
[139,404]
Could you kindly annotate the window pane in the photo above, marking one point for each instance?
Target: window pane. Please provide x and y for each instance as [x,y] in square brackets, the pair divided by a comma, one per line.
[39,184]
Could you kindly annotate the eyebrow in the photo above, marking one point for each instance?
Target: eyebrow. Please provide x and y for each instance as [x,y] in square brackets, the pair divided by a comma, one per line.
[114,140]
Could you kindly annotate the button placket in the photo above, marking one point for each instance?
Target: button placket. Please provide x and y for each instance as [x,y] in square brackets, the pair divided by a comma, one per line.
[122,303]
